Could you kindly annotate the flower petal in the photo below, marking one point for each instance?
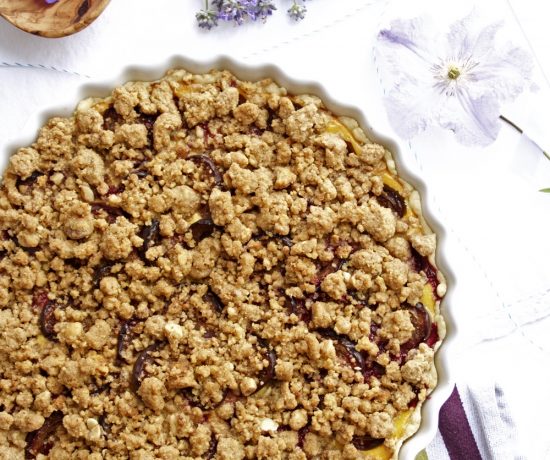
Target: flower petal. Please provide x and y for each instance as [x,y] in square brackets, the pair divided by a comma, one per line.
[466,39]
[503,71]
[404,61]
[413,107]
[411,38]
[475,121]
[503,74]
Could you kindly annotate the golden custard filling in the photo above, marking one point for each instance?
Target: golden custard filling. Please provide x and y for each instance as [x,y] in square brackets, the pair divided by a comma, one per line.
[202,267]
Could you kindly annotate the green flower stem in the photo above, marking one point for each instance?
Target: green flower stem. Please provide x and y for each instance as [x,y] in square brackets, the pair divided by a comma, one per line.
[518,129]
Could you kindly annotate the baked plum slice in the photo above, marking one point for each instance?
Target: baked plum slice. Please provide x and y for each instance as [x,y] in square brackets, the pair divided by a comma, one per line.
[228,397]
[326,269]
[284,240]
[347,351]
[104,424]
[139,366]
[212,448]
[115,189]
[150,234]
[204,227]
[48,320]
[422,322]
[212,298]
[298,307]
[101,271]
[40,299]
[111,211]
[148,120]
[422,264]
[124,338]
[366,442]
[268,373]
[111,119]
[38,442]
[390,198]
[29,180]
[206,161]
[433,338]
[302,432]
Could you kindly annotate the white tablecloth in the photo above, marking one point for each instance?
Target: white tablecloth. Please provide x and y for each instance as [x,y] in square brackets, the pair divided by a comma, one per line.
[498,223]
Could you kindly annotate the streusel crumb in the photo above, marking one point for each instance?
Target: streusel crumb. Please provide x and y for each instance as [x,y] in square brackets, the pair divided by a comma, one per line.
[202,267]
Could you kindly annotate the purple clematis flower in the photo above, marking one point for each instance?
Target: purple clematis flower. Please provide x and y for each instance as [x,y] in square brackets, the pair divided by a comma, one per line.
[457,80]
[49,2]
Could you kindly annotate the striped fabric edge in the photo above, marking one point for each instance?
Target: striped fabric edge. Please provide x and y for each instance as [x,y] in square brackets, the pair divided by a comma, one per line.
[456,431]
[454,439]
[474,423]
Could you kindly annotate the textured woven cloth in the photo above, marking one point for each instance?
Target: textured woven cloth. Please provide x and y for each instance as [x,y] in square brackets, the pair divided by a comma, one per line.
[474,424]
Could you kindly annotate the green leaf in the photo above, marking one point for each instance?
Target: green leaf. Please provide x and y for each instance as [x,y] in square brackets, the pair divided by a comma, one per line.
[545,190]
[422,456]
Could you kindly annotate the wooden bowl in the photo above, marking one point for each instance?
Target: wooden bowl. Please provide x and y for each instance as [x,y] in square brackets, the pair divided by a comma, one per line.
[56,20]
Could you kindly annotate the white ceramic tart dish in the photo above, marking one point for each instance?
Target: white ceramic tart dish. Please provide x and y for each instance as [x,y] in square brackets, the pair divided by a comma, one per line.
[209,260]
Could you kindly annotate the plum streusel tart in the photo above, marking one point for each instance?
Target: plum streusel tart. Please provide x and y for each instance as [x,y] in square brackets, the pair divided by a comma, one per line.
[207,268]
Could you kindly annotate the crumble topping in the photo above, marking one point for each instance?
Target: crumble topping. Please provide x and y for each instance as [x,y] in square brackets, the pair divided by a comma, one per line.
[208,268]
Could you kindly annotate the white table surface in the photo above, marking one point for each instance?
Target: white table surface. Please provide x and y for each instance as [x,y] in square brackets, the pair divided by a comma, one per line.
[499,243]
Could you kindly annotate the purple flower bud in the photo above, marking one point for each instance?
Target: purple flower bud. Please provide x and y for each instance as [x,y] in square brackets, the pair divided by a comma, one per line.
[234,10]
[297,12]
[264,8]
[207,19]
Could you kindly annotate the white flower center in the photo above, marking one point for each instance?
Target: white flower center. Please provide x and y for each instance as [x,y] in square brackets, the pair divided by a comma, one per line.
[449,74]
[453,73]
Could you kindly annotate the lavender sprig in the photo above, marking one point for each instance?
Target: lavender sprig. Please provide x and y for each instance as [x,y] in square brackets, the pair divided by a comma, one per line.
[240,11]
